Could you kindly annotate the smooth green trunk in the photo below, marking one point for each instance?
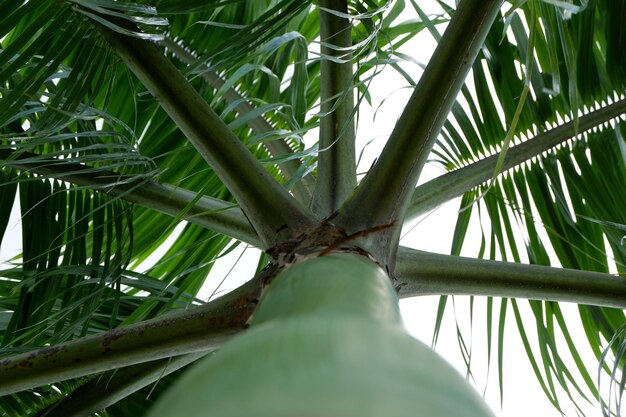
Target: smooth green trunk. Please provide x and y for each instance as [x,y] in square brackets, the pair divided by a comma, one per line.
[326,341]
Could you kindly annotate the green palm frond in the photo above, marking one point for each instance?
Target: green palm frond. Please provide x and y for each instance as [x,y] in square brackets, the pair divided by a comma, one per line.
[77,246]
[55,67]
[614,358]
[29,403]
[549,103]
[558,191]
[64,228]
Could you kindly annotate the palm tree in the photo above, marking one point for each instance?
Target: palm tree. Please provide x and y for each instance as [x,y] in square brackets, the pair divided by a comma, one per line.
[111,111]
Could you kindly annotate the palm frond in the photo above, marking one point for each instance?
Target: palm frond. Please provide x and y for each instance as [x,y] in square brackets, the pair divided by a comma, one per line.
[500,70]
[568,192]
[63,229]
[576,228]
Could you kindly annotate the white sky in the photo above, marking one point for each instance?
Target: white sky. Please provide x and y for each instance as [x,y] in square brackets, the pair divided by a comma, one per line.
[522,393]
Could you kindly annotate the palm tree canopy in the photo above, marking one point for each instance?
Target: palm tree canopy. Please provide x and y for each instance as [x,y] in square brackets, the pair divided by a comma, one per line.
[131,130]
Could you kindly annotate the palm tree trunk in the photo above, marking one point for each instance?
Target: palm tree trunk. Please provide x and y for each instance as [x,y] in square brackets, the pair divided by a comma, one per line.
[327,336]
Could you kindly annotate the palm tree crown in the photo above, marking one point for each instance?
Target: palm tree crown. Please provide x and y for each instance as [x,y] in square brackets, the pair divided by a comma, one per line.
[128,123]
